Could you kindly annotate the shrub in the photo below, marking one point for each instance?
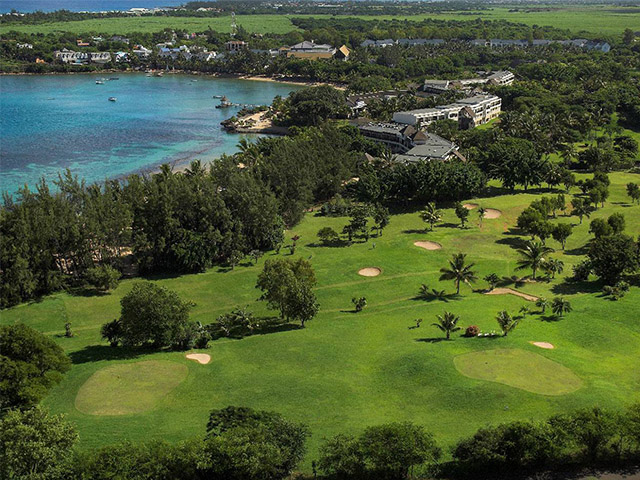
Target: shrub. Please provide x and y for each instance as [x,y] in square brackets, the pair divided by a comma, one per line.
[582,270]
[359,303]
[472,331]
[328,236]
[103,278]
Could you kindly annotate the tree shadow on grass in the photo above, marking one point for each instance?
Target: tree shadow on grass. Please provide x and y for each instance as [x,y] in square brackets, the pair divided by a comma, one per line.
[420,231]
[550,318]
[86,292]
[433,298]
[572,288]
[583,250]
[96,353]
[431,340]
[513,242]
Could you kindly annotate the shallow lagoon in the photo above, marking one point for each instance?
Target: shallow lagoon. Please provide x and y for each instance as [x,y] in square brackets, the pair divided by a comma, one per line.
[52,122]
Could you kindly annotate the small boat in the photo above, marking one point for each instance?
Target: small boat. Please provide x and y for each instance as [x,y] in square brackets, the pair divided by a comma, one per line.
[217,96]
[99,82]
[159,74]
[114,78]
[112,99]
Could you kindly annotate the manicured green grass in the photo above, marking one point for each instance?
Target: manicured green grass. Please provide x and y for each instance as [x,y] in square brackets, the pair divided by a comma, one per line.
[128,388]
[128,25]
[606,20]
[346,371]
[519,369]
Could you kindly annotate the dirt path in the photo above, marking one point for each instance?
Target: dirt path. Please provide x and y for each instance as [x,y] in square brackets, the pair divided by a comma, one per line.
[511,291]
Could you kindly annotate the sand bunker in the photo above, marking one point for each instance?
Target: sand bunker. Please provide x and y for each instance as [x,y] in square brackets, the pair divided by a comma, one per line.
[511,291]
[470,206]
[427,245]
[492,213]
[201,358]
[369,272]
[546,345]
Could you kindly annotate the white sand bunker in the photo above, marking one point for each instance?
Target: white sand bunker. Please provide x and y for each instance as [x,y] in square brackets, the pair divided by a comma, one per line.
[201,358]
[511,291]
[470,206]
[546,345]
[427,245]
[492,213]
[369,272]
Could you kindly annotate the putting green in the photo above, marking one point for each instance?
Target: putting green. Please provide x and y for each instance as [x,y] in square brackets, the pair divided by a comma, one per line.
[129,387]
[520,369]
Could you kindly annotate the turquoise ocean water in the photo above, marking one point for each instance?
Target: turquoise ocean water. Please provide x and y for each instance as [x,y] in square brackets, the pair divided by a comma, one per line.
[52,122]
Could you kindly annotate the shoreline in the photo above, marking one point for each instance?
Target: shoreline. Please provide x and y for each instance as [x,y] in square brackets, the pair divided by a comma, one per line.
[238,76]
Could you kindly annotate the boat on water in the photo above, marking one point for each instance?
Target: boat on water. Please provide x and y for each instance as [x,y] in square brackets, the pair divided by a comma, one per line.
[159,74]
[99,82]
[217,96]
[114,78]
[112,99]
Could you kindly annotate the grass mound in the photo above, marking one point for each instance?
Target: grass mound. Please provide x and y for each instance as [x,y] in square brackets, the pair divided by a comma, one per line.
[520,369]
[129,387]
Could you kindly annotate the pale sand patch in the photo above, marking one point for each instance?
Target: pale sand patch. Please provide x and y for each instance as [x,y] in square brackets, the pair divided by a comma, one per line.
[201,358]
[369,272]
[511,291]
[470,206]
[427,245]
[546,345]
[492,213]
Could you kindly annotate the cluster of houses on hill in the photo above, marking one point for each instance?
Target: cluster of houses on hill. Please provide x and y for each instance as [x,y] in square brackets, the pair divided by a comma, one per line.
[308,50]
[491,43]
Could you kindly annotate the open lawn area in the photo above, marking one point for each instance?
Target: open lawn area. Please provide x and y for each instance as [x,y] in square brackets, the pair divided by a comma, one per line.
[345,370]
[604,20]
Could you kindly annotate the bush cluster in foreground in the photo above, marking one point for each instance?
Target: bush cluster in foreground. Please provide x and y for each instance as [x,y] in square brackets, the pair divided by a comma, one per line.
[242,443]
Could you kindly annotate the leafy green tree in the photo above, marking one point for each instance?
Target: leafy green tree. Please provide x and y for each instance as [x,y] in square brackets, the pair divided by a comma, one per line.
[381,217]
[447,323]
[391,450]
[612,256]
[328,236]
[462,213]
[560,306]
[561,232]
[256,255]
[616,222]
[580,209]
[458,271]
[342,457]
[516,161]
[313,105]
[152,314]
[30,364]
[103,278]
[600,228]
[246,443]
[506,322]
[633,190]
[431,215]
[287,285]
[35,445]
[112,332]
[590,428]
[534,255]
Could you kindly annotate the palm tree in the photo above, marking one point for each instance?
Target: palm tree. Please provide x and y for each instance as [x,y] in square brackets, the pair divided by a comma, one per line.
[448,322]
[553,266]
[580,208]
[481,212]
[431,214]
[493,280]
[533,256]
[458,271]
[542,303]
[560,306]
[507,322]
[524,310]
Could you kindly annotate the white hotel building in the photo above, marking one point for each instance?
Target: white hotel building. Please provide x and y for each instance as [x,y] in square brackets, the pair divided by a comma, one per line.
[469,112]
